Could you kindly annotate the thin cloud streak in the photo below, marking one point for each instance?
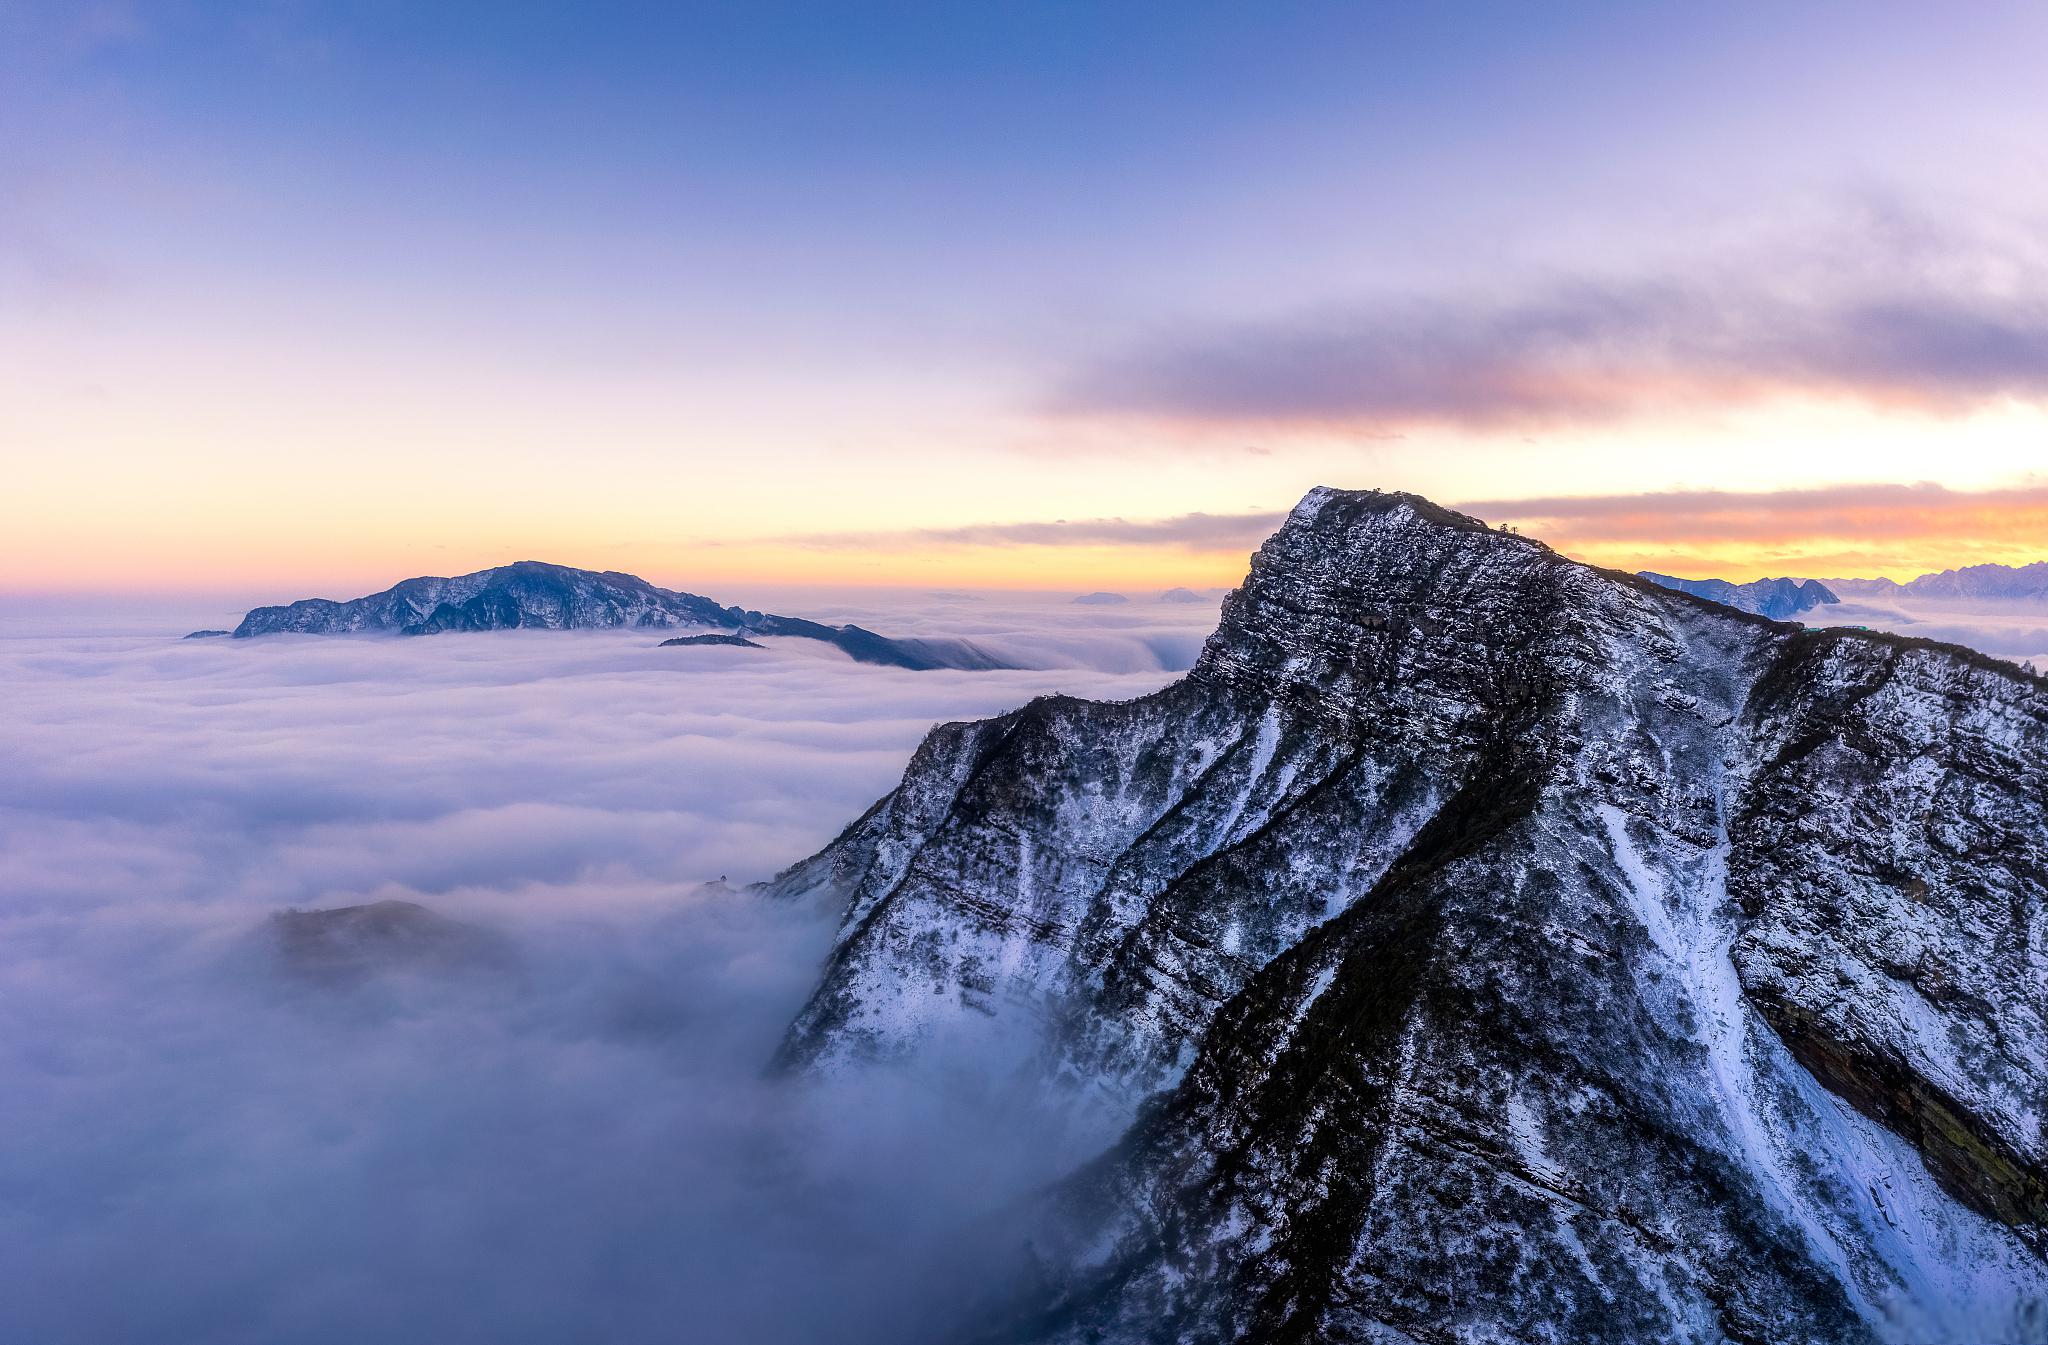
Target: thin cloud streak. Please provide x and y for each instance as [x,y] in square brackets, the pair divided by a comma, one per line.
[1188,532]
[1848,525]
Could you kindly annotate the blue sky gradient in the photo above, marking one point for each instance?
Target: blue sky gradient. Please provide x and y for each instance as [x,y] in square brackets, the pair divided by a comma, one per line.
[885,261]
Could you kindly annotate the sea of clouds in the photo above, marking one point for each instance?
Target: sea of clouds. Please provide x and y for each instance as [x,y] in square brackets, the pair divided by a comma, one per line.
[201,1147]
[2016,631]
[586,1147]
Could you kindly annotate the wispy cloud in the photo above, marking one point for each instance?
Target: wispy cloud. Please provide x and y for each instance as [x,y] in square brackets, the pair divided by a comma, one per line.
[1849,528]
[1897,310]
[1188,532]
[1866,512]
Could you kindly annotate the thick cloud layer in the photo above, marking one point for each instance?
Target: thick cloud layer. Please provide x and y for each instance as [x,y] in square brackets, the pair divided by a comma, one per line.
[581,1148]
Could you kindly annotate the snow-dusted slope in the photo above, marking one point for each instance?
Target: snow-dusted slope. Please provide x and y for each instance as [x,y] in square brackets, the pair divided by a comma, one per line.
[1513,950]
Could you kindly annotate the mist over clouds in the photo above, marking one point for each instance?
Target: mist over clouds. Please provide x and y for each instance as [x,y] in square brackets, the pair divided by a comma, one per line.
[2017,631]
[582,1147]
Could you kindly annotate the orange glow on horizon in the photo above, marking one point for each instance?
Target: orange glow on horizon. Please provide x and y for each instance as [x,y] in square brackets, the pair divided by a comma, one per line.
[728,570]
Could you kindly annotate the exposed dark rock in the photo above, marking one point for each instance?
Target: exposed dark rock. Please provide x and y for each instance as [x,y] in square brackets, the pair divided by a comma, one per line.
[206,634]
[737,641]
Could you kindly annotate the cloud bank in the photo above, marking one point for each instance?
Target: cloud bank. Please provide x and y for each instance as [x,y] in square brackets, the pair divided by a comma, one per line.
[584,1149]
[1899,310]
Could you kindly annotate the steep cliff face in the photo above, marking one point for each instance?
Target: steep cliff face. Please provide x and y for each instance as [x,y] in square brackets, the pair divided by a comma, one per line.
[1892,869]
[1063,885]
[1509,950]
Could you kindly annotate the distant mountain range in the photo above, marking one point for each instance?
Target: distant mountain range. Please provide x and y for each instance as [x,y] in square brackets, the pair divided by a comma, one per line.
[1778,599]
[1782,599]
[532,594]
[1994,583]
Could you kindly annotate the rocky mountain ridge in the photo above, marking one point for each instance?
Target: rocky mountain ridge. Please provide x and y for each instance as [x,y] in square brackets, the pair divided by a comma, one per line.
[1476,945]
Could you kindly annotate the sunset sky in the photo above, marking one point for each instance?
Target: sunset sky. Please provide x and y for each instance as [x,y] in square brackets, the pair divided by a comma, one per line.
[315,296]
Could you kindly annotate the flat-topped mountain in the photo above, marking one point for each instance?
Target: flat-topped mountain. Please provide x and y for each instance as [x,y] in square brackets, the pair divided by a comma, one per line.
[535,595]
[1779,599]
[1477,945]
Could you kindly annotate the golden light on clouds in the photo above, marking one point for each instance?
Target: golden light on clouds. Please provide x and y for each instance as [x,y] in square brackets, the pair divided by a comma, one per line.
[1896,531]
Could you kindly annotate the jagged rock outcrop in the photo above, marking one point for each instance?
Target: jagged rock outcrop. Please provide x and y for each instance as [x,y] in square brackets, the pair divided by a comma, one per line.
[1779,599]
[534,595]
[1500,949]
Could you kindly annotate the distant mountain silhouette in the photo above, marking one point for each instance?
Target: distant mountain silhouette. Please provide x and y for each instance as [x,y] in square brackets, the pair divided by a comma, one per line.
[1994,583]
[533,594]
[1778,599]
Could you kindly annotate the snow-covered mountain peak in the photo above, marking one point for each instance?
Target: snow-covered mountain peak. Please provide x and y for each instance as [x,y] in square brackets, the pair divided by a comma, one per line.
[1509,949]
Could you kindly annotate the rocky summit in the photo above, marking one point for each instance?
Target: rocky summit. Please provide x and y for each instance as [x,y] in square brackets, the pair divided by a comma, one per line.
[1479,946]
